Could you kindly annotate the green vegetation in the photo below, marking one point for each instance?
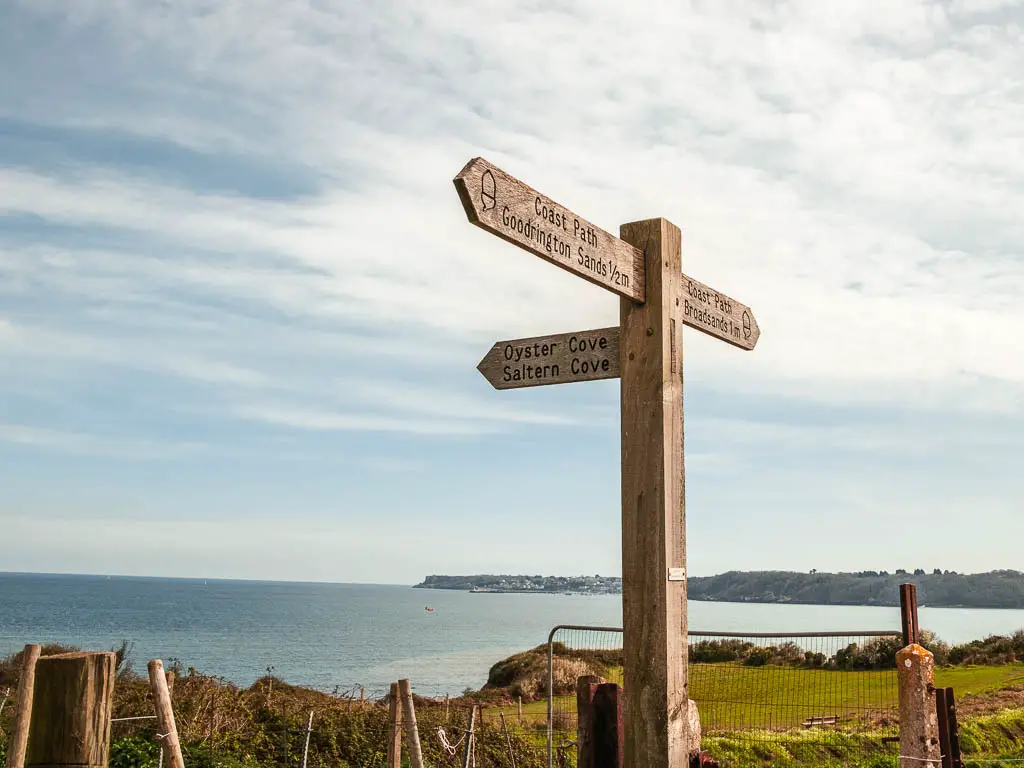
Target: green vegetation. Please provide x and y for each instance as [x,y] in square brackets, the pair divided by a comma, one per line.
[264,725]
[996,589]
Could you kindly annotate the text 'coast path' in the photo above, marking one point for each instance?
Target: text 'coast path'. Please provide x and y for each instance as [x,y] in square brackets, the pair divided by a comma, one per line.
[521,215]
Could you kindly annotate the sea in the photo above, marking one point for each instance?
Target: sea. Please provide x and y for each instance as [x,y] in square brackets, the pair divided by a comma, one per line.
[343,637]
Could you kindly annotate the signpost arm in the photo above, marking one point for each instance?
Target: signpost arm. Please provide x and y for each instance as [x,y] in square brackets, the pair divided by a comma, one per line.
[653,511]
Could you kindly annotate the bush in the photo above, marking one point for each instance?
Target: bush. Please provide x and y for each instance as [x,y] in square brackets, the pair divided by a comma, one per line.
[134,752]
[758,657]
[719,651]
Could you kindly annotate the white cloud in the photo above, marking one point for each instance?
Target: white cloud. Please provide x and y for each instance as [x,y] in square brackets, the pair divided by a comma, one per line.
[851,170]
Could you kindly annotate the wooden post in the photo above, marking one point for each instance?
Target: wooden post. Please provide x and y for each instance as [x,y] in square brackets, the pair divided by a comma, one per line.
[395,733]
[170,747]
[519,708]
[23,713]
[585,688]
[653,506]
[71,709]
[908,614]
[606,727]
[919,723]
[170,683]
[508,739]
[467,751]
[309,732]
[446,709]
[412,734]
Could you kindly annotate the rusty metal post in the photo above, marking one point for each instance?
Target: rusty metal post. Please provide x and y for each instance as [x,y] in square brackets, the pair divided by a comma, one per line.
[954,731]
[942,713]
[919,724]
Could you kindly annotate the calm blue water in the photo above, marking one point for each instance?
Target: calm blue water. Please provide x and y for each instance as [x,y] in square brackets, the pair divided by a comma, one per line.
[328,635]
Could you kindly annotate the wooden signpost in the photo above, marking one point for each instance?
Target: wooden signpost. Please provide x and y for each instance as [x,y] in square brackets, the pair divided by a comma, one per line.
[506,207]
[644,267]
[567,357]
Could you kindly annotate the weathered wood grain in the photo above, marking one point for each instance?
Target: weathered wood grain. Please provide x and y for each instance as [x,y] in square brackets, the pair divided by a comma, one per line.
[394,757]
[412,733]
[23,714]
[653,507]
[558,359]
[160,686]
[71,711]
[718,315]
[519,214]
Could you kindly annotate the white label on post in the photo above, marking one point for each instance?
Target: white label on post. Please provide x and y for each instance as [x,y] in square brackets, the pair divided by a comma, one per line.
[677,574]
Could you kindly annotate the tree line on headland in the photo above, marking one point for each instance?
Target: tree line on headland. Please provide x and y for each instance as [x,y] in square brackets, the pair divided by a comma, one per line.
[995,589]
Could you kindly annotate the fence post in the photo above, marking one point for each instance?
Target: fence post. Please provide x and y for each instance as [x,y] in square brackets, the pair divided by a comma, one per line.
[519,708]
[508,739]
[586,687]
[23,713]
[467,753]
[309,732]
[919,725]
[71,709]
[908,614]
[606,735]
[170,747]
[412,734]
[954,731]
[395,734]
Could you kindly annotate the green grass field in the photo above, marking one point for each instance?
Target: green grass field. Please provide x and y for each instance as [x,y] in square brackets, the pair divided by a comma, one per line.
[733,697]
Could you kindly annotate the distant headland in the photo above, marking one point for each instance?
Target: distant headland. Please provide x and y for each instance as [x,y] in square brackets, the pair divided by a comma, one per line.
[938,588]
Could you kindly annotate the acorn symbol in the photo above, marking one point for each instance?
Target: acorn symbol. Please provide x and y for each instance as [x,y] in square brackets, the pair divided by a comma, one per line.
[746,325]
[488,190]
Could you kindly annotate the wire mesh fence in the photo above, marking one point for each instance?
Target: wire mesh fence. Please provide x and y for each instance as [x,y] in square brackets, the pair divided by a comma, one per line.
[824,688]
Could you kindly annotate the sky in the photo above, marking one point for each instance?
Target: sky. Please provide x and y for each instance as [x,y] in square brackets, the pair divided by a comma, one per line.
[241,307]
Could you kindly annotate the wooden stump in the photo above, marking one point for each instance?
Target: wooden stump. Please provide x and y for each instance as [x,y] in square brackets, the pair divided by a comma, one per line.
[71,711]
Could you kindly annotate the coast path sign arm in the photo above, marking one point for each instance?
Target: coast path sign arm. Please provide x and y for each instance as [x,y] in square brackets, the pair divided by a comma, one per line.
[559,359]
[519,214]
[717,315]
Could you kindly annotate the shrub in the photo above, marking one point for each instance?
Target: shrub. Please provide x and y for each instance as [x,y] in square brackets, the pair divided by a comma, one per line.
[134,752]
[758,657]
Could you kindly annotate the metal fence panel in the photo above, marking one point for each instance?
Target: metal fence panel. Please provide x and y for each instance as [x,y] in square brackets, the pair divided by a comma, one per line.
[804,689]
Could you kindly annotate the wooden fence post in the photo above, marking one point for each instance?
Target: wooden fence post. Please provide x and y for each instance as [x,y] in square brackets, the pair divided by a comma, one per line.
[412,734]
[71,710]
[606,727]
[23,713]
[519,708]
[919,723]
[309,732]
[586,686]
[395,730]
[168,729]
[467,752]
